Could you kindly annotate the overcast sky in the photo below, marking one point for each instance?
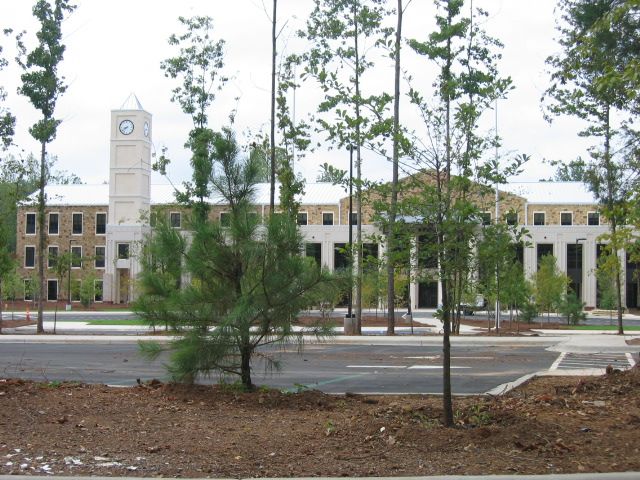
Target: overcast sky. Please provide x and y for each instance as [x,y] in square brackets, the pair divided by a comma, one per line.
[115,47]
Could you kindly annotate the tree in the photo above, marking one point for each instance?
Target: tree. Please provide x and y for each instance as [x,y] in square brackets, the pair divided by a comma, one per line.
[572,308]
[198,67]
[337,60]
[497,265]
[7,265]
[247,282]
[550,285]
[43,86]
[331,174]
[590,81]
[7,120]
[467,84]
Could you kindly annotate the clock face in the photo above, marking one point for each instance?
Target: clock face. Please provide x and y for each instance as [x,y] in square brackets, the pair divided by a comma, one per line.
[126,127]
[146,129]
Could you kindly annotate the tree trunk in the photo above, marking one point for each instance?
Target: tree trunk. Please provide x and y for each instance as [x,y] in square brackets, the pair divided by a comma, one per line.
[245,368]
[272,193]
[447,402]
[41,239]
[391,320]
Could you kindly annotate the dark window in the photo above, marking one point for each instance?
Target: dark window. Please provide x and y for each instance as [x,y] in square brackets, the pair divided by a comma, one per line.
[566,218]
[538,218]
[100,254]
[302,218]
[225,219]
[543,249]
[485,218]
[76,221]
[97,294]
[340,256]
[427,251]
[28,290]
[29,257]
[76,256]
[123,251]
[314,250]
[511,218]
[52,290]
[354,218]
[175,219]
[101,223]
[327,218]
[54,227]
[76,288]
[369,251]
[30,227]
[593,218]
[52,258]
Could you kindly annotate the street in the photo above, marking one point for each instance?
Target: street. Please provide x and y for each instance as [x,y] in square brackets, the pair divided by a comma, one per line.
[327,367]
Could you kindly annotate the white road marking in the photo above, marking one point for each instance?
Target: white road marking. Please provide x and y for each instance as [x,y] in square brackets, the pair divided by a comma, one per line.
[429,367]
[632,362]
[554,365]
[376,366]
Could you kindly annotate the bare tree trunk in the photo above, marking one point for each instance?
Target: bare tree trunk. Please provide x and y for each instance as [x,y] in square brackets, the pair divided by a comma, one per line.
[41,239]
[272,194]
[245,368]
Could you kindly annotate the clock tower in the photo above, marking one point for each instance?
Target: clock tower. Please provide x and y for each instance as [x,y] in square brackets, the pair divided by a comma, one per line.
[129,198]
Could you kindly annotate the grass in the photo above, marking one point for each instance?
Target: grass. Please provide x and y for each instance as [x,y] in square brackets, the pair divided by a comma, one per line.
[114,321]
[602,327]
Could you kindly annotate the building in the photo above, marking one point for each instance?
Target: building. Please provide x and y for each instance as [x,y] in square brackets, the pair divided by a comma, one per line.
[104,225]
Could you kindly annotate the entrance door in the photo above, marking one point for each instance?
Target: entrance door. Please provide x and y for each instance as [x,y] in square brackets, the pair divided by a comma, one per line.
[123,285]
[428,295]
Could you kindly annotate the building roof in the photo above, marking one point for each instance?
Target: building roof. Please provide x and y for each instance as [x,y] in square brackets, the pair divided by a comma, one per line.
[568,193]
[89,195]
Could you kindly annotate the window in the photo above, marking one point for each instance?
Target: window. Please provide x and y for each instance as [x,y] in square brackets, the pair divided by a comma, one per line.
[76,288]
[566,218]
[543,249]
[76,256]
[485,218]
[123,251]
[327,218]
[302,218]
[52,290]
[225,219]
[101,223]
[54,227]
[99,257]
[354,218]
[30,225]
[538,218]
[593,218]
[340,256]
[52,257]
[97,290]
[76,223]
[28,290]
[29,256]
[511,218]
[175,219]
[314,250]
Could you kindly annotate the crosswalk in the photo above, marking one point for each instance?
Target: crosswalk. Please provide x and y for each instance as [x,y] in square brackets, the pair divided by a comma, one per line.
[573,361]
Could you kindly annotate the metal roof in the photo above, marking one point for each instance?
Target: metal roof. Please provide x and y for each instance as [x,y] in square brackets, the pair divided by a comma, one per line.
[88,195]
[568,193]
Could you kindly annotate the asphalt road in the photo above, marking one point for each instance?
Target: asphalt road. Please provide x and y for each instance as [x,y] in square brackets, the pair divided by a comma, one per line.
[331,368]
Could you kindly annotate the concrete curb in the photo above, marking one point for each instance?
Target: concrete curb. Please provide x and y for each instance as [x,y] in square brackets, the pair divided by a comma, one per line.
[570,476]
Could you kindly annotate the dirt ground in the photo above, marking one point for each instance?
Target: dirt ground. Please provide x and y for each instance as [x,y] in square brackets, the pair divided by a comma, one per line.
[549,425]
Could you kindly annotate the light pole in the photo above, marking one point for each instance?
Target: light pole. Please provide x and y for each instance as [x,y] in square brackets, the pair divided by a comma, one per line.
[350,229]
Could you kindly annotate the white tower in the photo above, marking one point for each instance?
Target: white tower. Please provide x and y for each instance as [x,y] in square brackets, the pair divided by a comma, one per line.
[129,198]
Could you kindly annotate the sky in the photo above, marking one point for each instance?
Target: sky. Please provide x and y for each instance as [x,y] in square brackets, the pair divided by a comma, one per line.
[115,47]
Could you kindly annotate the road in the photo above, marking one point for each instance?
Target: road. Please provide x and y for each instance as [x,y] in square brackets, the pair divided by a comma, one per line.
[331,368]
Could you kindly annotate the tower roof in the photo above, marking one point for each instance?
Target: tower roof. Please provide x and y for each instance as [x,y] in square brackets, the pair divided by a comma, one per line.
[131,103]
